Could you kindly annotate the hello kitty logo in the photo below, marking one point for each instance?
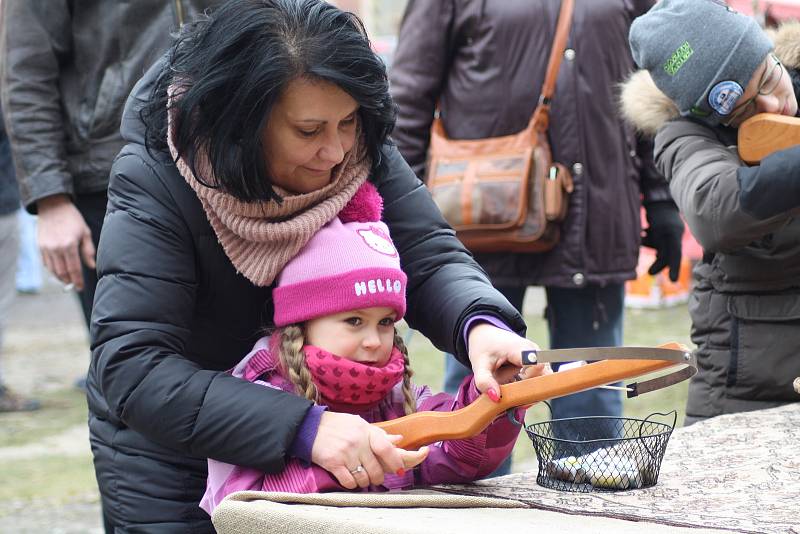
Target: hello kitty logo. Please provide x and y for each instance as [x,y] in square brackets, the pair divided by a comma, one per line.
[377,240]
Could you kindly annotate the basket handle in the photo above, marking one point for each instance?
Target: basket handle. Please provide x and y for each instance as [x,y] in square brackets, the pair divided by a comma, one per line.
[673,413]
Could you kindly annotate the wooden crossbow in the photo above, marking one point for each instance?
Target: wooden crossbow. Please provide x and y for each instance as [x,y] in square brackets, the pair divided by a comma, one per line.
[615,364]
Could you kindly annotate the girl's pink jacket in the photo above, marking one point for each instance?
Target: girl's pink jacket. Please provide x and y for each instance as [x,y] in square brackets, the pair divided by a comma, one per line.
[455,461]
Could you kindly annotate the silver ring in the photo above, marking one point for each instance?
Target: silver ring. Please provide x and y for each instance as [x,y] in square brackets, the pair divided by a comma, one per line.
[68,287]
[356,470]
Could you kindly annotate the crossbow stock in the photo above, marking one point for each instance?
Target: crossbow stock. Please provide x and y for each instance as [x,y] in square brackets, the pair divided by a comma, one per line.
[765,133]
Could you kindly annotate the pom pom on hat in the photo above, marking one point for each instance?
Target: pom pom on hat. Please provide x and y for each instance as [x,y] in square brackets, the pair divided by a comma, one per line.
[365,206]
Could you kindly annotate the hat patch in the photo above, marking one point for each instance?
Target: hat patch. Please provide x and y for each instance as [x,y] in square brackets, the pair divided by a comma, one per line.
[723,96]
[377,240]
[678,58]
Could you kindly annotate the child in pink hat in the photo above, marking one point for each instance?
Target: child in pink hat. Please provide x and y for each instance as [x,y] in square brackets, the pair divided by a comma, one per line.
[336,305]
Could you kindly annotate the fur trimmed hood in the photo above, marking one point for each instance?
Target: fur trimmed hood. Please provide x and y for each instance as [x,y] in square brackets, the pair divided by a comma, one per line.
[645,107]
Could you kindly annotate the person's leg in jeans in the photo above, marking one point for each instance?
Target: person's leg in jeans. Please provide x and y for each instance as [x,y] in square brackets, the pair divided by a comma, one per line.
[586,317]
[455,371]
[9,245]
[29,264]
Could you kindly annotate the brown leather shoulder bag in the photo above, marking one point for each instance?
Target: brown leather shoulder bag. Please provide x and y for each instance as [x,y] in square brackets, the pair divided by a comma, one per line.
[505,194]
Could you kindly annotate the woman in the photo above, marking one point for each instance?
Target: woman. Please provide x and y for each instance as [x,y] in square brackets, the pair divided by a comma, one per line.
[696,89]
[278,111]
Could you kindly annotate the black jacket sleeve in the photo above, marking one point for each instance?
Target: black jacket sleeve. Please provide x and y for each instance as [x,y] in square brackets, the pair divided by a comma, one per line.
[445,284]
[773,187]
[654,186]
[142,320]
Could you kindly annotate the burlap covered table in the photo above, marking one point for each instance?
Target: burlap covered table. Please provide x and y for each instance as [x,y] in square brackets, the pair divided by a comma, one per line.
[735,473]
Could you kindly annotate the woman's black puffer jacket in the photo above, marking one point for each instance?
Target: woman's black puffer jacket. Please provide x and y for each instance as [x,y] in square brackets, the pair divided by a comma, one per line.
[171,314]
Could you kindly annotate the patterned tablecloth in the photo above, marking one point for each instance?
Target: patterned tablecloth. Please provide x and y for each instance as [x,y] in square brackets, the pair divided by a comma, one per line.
[734,473]
[738,472]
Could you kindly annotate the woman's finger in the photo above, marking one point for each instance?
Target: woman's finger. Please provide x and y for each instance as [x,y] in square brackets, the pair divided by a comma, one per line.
[507,373]
[384,451]
[485,380]
[530,371]
[371,471]
[394,439]
[344,477]
[412,459]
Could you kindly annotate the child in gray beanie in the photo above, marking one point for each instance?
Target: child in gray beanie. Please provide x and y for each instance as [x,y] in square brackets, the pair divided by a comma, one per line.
[701,54]
[706,70]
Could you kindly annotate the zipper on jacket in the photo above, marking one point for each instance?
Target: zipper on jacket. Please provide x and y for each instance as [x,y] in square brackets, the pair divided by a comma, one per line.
[179,12]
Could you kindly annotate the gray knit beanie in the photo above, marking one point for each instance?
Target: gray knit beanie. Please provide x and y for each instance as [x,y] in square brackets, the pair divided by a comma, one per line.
[700,53]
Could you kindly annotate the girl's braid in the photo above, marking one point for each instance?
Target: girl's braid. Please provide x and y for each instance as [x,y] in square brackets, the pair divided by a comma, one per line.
[410,402]
[293,360]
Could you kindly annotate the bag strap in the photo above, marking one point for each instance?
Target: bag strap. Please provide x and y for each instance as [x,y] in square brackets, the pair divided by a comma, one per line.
[541,115]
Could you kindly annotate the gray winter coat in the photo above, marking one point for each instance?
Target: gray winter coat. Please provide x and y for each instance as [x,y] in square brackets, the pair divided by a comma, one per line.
[745,304]
[485,61]
[67,68]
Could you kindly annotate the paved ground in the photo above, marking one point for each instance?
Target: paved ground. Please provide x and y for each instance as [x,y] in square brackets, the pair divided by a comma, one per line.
[46,348]
[46,345]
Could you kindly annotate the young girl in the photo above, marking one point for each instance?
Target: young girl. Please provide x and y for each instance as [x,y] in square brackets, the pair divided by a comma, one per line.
[336,304]
[708,69]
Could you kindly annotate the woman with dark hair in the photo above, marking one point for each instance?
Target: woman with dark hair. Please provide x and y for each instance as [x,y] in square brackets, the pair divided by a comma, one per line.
[254,131]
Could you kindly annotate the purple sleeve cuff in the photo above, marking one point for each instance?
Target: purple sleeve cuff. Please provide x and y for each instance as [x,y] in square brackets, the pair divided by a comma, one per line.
[477,319]
[306,434]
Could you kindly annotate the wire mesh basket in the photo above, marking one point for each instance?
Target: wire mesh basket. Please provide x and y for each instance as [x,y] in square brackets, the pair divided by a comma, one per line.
[585,454]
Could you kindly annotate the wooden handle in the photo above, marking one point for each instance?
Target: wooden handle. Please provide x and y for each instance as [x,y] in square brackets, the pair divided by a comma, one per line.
[765,133]
[422,428]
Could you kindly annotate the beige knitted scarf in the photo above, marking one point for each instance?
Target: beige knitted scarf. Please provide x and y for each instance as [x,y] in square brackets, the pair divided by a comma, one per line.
[261,237]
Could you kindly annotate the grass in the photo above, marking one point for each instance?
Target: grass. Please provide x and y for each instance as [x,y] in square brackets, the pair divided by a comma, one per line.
[57,479]
[61,409]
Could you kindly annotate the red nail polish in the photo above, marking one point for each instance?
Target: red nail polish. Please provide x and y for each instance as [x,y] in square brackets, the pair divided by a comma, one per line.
[493,394]
[401,472]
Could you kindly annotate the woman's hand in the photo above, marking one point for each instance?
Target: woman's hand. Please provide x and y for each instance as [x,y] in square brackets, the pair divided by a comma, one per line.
[495,355]
[345,443]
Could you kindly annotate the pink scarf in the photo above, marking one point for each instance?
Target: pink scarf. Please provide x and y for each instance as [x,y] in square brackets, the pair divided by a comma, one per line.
[343,382]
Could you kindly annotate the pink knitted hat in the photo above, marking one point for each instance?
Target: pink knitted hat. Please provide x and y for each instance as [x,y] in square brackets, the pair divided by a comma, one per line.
[346,266]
